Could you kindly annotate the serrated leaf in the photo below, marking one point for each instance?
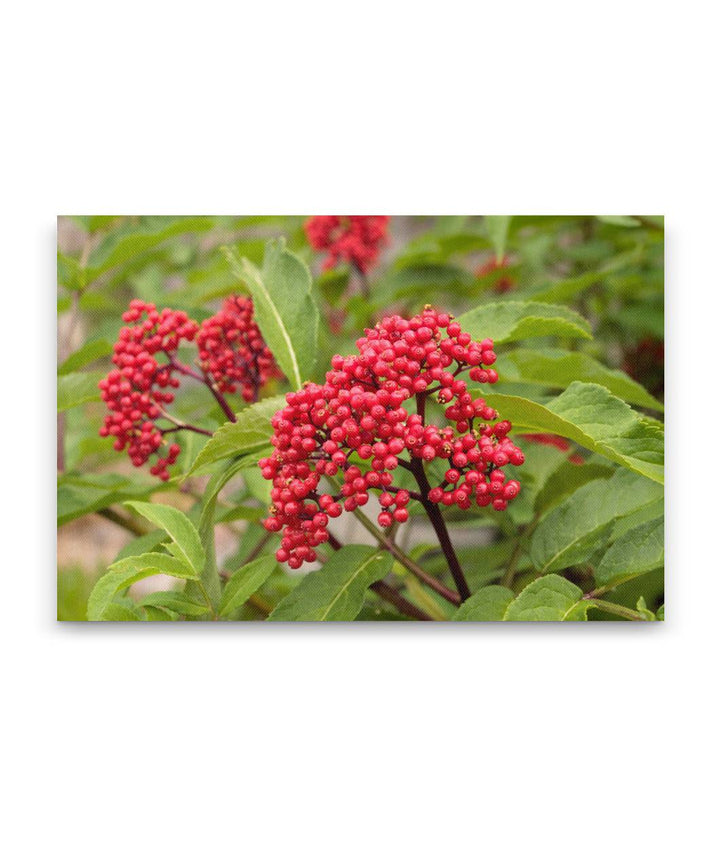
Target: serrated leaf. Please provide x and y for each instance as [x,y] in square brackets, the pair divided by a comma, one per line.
[284,308]
[245,582]
[591,416]
[128,571]
[251,431]
[89,352]
[551,598]
[558,369]
[513,320]
[175,601]
[572,531]
[635,553]
[488,604]
[183,533]
[77,388]
[335,592]
[119,612]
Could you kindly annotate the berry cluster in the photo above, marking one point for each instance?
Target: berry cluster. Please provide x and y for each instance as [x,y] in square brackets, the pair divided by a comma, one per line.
[233,352]
[360,410]
[137,389]
[503,283]
[354,239]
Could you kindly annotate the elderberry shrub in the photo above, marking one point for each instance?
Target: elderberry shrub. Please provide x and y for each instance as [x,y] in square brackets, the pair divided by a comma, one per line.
[360,410]
[232,355]
[354,239]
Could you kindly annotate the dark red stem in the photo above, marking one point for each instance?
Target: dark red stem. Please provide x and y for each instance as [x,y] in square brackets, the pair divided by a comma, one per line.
[438,524]
[204,378]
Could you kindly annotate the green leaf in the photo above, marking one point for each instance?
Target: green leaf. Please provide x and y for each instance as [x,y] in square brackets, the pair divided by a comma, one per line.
[119,612]
[635,553]
[127,243]
[89,352]
[589,415]
[488,604]
[620,220]
[128,571]
[251,432]
[558,369]
[551,598]
[573,530]
[497,229]
[284,308]
[642,608]
[335,592]
[78,495]
[245,582]
[184,535]
[566,480]
[77,388]
[70,273]
[176,601]
[514,320]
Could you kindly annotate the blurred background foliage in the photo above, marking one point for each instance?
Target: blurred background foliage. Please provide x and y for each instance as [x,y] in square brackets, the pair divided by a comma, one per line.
[609,269]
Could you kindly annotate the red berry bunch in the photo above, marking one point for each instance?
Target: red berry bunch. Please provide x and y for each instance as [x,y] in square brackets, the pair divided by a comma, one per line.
[360,410]
[505,282]
[137,389]
[354,239]
[233,352]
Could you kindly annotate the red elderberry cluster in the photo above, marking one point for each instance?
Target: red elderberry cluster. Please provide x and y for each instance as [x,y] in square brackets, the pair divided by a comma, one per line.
[505,282]
[360,410]
[233,351]
[354,239]
[137,389]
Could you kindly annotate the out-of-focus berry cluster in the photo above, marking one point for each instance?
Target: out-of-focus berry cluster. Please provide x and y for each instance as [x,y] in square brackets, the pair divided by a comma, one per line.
[354,239]
[557,442]
[504,282]
[233,352]
[360,411]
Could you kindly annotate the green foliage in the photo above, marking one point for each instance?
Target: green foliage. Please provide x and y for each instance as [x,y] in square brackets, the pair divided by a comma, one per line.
[245,582]
[335,592]
[514,320]
[590,416]
[251,433]
[550,598]
[488,604]
[127,571]
[571,532]
[285,309]
[77,388]
[558,369]
[186,544]
[634,553]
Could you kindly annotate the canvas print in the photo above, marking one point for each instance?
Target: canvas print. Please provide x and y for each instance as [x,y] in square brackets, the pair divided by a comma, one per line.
[360,418]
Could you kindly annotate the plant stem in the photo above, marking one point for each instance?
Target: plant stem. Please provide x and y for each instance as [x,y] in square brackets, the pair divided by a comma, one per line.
[124,522]
[403,606]
[204,378]
[509,575]
[406,561]
[616,609]
[438,524]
